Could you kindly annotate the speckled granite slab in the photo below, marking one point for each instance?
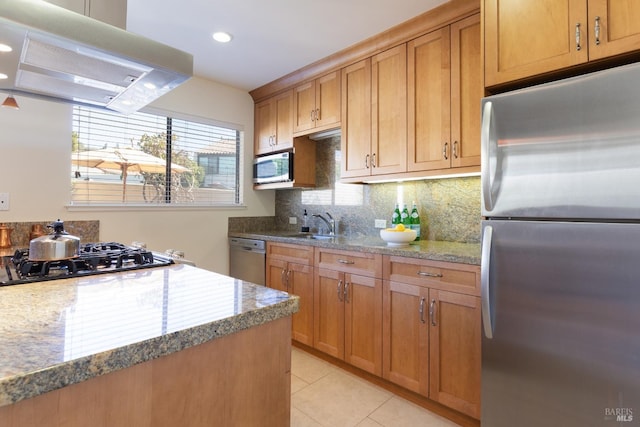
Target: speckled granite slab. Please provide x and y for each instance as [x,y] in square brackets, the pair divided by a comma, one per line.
[61,332]
[435,250]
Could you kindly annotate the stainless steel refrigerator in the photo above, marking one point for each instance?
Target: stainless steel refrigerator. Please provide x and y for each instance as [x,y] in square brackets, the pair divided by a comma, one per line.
[561,253]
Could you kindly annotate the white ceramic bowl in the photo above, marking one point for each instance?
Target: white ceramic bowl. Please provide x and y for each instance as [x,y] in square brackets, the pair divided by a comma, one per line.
[397,238]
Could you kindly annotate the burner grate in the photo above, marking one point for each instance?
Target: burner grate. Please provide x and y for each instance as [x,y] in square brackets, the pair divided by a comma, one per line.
[93,258]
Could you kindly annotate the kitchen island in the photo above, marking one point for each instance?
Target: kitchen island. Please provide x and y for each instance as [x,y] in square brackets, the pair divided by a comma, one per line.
[166,346]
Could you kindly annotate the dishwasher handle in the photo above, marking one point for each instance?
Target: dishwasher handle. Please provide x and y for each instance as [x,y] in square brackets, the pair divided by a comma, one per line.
[251,245]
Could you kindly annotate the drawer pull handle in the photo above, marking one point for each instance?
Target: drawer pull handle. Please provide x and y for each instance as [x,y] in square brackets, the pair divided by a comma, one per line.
[428,274]
[339,290]
[421,310]
[578,46]
[346,292]
[345,261]
[597,30]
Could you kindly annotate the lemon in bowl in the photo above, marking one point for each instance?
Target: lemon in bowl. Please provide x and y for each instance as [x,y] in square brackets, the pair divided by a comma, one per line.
[398,236]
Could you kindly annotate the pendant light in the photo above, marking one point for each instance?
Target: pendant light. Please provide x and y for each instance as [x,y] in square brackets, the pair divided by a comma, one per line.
[11,102]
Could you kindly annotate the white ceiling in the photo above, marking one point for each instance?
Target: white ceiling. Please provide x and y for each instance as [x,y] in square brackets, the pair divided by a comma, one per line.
[271,38]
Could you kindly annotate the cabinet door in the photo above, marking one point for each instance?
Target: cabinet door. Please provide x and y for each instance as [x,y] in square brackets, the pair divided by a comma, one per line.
[277,274]
[406,336]
[363,322]
[618,25]
[466,92]
[356,119]
[526,38]
[328,101]
[328,312]
[455,356]
[389,111]
[304,105]
[429,102]
[264,127]
[284,120]
[301,284]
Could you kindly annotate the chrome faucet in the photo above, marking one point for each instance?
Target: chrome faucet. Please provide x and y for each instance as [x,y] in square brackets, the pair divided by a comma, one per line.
[331,223]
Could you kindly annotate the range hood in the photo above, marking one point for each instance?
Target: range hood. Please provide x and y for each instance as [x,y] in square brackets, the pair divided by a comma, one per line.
[61,55]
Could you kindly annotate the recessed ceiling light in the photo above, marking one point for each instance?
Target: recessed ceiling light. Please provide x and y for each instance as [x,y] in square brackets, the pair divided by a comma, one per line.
[222,37]
[5,48]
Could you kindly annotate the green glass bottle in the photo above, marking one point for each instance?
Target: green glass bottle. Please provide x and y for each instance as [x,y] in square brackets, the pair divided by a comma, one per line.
[405,219]
[395,218]
[415,220]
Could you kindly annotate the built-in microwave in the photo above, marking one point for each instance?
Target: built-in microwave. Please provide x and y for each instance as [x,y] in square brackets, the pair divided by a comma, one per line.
[276,167]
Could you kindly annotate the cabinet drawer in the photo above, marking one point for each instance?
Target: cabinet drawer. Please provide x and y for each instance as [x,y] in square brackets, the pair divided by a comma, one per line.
[433,274]
[300,254]
[361,263]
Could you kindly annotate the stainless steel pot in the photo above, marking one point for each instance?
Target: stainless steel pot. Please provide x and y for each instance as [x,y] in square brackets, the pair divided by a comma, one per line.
[55,246]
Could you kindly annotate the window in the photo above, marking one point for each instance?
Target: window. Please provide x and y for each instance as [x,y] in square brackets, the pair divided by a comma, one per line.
[146,159]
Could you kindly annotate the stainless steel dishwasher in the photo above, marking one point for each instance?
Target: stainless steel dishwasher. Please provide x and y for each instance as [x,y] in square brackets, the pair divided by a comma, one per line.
[247,259]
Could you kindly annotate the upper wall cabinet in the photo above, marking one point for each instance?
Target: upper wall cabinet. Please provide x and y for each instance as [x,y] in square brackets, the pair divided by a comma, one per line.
[374,115]
[274,124]
[445,89]
[316,105]
[524,39]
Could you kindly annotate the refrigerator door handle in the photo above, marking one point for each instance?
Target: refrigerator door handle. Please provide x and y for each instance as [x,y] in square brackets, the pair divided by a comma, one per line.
[489,161]
[485,264]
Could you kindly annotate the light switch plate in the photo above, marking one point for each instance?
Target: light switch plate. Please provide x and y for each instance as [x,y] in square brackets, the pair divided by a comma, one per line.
[381,223]
[293,220]
[4,201]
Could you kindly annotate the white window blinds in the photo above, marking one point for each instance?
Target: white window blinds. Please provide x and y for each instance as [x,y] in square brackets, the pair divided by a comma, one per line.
[145,159]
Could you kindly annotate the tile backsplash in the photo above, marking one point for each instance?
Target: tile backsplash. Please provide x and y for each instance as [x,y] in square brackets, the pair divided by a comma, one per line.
[449,208]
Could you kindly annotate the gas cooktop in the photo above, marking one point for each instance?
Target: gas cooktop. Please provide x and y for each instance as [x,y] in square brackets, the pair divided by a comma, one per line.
[93,258]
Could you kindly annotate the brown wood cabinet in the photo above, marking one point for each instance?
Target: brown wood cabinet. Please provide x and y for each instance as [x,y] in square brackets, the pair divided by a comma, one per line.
[316,105]
[375,115]
[431,330]
[290,269]
[348,307]
[524,39]
[274,124]
[445,88]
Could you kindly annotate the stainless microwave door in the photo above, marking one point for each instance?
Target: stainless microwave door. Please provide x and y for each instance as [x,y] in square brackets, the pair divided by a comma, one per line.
[561,319]
[569,149]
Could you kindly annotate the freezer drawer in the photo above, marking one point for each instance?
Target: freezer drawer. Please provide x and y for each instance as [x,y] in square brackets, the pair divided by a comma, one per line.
[562,324]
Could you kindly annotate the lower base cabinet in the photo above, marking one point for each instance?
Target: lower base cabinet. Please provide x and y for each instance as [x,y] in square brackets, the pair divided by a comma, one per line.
[348,308]
[290,269]
[413,322]
[431,336]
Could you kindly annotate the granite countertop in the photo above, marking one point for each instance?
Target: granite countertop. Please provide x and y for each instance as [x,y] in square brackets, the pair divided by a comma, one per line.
[463,253]
[60,332]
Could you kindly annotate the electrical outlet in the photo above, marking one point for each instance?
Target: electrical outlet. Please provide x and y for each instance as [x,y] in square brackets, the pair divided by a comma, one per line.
[293,220]
[4,201]
[381,223]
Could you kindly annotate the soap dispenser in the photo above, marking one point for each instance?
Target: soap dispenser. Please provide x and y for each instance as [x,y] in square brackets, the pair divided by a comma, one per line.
[305,222]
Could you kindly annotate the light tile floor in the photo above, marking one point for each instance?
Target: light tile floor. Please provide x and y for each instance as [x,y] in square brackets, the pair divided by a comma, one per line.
[323,395]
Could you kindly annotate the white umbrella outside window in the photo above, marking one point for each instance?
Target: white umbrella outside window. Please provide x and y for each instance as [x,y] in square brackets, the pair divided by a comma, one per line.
[124,160]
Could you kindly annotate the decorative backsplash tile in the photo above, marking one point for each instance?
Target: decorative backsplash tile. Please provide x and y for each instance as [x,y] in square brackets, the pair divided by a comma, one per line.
[449,208]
